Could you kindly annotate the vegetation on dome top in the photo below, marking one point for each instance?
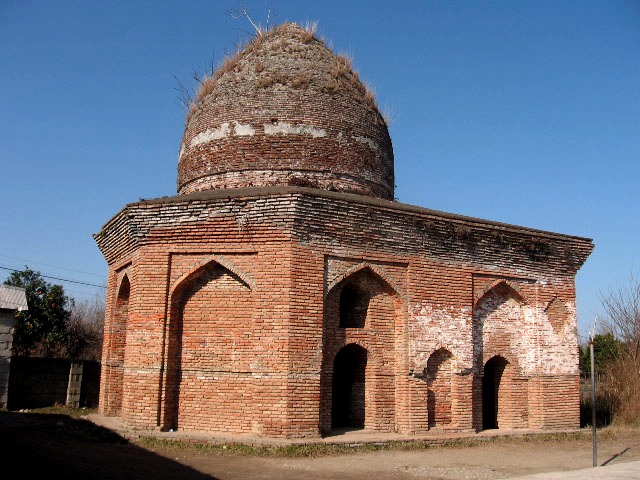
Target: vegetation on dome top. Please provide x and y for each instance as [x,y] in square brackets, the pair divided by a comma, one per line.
[286,37]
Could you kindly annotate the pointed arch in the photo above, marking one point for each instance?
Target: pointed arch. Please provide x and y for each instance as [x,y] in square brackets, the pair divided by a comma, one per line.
[374,269]
[356,388]
[362,307]
[498,316]
[218,259]
[501,392]
[348,390]
[117,343]
[124,279]
[493,392]
[354,304]
[356,292]
[501,284]
[209,330]
[374,358]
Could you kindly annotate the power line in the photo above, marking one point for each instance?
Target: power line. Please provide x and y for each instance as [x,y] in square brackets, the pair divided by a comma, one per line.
[52,266]
[59,279]
[82,294]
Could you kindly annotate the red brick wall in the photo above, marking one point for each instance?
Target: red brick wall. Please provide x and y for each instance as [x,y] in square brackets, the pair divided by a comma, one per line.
[439,377]
[233,321]
[376,337]
[114,347]
[211,341]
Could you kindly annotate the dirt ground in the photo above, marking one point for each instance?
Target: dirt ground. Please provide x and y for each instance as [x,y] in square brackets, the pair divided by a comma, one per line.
[58,446]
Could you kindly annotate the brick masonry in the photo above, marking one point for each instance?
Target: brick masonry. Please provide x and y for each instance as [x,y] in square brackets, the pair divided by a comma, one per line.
[251,303]
[287,112]
[224,314]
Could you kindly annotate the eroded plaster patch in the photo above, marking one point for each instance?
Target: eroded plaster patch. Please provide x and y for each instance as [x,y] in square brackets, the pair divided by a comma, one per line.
[366,141]
[431,325]
[557,358]
[346,140]
[283,128]
[225,130]
[504,326]
[243,129]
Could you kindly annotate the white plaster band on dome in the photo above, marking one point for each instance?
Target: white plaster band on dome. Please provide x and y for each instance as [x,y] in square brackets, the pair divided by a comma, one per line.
[238,129]
[224,131]
[278,128]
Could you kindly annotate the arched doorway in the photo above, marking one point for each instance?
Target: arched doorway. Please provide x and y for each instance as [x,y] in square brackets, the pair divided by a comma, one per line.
[439,379]
[348,388]
[491,381]
[114,365]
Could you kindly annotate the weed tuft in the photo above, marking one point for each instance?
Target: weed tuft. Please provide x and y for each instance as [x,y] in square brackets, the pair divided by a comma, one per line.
[308,31]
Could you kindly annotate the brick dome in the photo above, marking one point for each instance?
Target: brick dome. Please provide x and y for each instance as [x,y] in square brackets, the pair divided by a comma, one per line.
[286,110]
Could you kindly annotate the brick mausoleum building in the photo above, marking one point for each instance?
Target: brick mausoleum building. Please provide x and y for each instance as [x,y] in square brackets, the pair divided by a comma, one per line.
[284,293]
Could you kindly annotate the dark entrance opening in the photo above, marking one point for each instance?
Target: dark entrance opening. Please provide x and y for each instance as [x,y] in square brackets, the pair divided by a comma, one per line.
[354,303]
[348,389]
[493,370]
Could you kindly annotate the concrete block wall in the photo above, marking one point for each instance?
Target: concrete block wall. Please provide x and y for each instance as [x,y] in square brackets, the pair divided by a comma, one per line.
[44,382]
[7,321]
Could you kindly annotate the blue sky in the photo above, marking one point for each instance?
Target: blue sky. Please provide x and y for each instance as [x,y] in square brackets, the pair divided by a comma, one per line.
[520,112]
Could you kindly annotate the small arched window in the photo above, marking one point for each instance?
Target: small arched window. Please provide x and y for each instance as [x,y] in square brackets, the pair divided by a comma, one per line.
[354,303]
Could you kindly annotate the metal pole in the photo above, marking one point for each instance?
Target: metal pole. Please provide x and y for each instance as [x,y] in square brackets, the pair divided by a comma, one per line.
[593,406]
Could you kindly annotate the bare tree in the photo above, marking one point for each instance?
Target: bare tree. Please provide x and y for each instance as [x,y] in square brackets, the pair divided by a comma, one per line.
[622,315]
[85,329]
[622,319]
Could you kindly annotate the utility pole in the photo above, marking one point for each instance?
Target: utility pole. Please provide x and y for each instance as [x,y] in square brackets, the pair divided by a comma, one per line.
[593,399]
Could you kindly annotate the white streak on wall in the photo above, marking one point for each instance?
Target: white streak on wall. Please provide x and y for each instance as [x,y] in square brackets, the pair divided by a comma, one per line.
[211,134]
[288,129]
[432,325]
[225,130]
[243,129]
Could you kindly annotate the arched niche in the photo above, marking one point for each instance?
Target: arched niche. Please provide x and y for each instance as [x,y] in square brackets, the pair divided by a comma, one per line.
[363,309]
[498,321]
[498,329]
[354,304]
[115,358]
[208,353]
[361,299]
[439,376]
[494,401]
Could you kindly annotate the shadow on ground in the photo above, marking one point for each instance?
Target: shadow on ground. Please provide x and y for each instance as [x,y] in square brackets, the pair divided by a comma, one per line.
[58,446]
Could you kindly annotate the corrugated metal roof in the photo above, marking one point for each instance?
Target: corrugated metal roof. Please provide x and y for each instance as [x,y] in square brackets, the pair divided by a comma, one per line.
[12,298]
